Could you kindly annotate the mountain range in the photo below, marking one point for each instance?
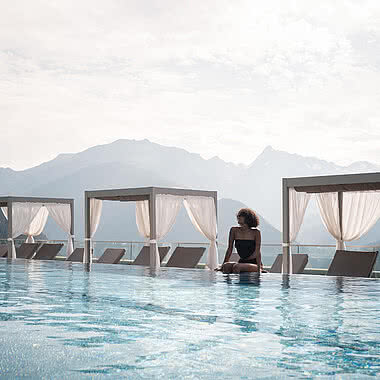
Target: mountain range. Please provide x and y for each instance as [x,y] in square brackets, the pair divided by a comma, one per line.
[135,163]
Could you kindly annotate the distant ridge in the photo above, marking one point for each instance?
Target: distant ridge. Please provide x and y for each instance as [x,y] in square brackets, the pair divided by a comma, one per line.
[135,163]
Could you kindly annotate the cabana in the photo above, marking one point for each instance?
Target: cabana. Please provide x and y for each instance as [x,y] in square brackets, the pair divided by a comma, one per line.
[156,211]
[28,215]
[349,206]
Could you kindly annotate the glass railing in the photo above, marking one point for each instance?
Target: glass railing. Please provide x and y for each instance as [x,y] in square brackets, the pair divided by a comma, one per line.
[320,256]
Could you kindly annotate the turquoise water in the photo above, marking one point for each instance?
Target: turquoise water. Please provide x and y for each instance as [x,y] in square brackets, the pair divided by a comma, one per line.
[60,320]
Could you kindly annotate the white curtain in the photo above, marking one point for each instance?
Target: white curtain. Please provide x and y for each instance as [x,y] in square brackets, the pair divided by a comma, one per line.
[38,224]
[167,208]
[361,210]
[329,210]
[5,211]
[142,219]
[23,215]
[202,213]
[95,213]
[61,213]
[298,202]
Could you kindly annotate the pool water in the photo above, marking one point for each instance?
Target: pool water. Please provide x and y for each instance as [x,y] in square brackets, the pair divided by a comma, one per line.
[65,320]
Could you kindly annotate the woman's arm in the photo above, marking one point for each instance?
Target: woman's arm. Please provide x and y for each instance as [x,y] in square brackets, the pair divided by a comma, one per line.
[258,250]
[231,239]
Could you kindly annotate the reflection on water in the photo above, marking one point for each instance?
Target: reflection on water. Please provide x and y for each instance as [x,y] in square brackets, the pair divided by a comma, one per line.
[72,320]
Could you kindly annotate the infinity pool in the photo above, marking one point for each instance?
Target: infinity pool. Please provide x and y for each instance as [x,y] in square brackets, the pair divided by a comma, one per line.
[63,321]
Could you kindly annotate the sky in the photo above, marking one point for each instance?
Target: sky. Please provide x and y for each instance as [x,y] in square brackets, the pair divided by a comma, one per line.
[218,78]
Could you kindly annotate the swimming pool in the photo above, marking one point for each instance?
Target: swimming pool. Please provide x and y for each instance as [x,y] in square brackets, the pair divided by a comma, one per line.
[59,320]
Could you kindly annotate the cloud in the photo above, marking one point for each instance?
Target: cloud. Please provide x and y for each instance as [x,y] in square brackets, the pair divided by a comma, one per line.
[215,77]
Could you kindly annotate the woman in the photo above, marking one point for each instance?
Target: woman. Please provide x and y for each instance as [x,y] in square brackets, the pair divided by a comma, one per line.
[247,239]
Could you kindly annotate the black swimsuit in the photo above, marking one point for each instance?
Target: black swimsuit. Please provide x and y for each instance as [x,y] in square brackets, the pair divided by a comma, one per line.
[246,248]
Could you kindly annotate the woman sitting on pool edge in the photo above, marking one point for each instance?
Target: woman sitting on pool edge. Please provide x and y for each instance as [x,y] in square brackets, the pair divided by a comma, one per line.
[247,239]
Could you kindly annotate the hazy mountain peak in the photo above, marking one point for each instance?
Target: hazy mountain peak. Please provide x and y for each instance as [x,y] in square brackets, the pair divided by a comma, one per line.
[268,149]
[266,155]
[217,160]
[313,165]
[362,166]
[300,165]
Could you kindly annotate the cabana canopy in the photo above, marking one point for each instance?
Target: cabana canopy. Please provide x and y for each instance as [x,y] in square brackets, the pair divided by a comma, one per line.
[28,215]
[156,210]
[349,206]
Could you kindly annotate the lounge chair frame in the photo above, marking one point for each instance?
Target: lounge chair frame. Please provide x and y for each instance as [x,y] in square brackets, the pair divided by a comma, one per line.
[144,255]
[48,251]
[352,263]
[186,257]
[111,256]
[299,262]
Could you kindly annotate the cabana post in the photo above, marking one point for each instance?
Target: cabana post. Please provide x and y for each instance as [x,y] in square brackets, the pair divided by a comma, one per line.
[87,248]
[285,226]
[332,194]
[10,230]
[152,225]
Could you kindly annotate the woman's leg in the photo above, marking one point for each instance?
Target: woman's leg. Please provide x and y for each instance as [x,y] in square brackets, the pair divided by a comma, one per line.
[227,267]
[241,267]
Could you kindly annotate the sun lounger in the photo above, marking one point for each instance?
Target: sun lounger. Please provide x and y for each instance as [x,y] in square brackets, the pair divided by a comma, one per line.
[143,258]
[3,250]
[299,262]
[77,255]
[352,263]
[111,256]
[48,252]
[27,250]
[185,257]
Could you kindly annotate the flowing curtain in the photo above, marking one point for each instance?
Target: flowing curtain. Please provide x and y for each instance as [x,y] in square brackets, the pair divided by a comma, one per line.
[298,202]
[5,211]
[36,227]
[23,215]
[61,213]
[95,213]
[329,210]
[361,210]
[202,213]
[167,208]
[142,219]
[38,224]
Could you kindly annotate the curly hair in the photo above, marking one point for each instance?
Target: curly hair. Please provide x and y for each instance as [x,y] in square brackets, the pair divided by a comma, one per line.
[250,217]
